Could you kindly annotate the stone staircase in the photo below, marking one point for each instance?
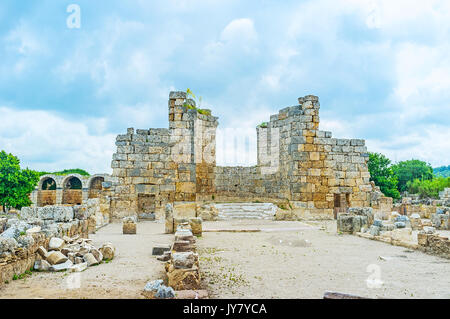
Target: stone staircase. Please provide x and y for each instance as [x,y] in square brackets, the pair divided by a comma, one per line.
[246,211]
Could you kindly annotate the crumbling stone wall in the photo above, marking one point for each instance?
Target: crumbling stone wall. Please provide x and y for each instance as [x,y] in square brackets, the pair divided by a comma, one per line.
[297,163]
[434,244]
[20,241]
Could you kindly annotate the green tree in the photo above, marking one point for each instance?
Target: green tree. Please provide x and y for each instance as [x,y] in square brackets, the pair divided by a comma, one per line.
[15,183]
[382,174]
[428,188]
[410,170]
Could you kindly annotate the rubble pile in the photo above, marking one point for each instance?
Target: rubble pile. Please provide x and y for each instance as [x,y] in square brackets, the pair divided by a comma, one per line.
[441,220]
[73,254]
[182,268]
[355,219]
[48,238]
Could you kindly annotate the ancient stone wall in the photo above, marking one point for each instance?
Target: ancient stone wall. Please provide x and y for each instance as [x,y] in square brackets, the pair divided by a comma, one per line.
[297,163]
[59,189]
[157,166]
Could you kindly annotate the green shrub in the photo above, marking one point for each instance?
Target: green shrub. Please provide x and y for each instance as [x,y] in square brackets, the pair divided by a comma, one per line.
[428,188]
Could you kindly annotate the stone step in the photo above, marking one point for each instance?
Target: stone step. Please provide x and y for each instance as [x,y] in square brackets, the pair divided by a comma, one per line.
[245,211]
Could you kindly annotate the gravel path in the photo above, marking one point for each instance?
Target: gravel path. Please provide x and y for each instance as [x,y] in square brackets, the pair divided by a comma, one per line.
[124,277]
[305,260]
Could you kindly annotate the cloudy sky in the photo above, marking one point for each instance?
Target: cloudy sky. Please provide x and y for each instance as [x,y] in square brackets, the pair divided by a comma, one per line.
[381,69]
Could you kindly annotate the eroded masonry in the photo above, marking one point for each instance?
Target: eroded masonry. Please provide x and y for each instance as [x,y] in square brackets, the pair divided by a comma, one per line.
[299,166]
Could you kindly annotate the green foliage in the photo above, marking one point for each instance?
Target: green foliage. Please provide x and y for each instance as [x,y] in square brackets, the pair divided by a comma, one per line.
[191,96]
[15,183]
[428,188]
[443,171]
[80,171]
[382,175]
[264,124]
[410,170]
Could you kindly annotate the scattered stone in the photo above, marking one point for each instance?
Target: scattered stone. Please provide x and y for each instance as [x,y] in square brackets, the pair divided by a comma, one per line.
[156,289]
[55,244]
[183,260]
[90,259]
[182,246]
[33,230]
[378,223]
[78,267]
[165,257]
[159,250]
[63,266]
[97,254]
[56,257]
[108,251]
[42,252]
[400,224]
[374,230]
[42,265]
[129,225]
[184,279]
[429,230]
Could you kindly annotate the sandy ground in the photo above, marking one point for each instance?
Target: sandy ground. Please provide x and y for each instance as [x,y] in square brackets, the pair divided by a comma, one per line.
[124,277]
[299,260]
[284,260]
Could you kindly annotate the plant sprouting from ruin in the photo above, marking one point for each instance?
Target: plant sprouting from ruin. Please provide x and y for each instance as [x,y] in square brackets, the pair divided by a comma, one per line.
[190,97]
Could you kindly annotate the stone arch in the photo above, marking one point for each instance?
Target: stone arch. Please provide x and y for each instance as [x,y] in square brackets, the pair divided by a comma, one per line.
[46,191]
[95,186]
[72,190]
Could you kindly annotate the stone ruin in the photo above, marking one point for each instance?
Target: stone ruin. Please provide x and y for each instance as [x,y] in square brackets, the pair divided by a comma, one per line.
[299,166]
[72,189]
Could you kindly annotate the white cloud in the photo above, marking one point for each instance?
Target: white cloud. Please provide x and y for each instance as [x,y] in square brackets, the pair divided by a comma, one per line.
[239,30]
[238,37]
[46,141]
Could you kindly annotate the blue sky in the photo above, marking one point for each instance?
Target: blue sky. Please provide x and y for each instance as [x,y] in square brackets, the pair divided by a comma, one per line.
[380,68]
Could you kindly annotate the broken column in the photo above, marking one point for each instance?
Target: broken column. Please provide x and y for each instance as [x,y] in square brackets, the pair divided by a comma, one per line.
[169,219]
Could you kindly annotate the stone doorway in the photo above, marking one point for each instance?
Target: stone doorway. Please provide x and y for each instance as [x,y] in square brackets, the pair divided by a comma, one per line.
[341,203]
[146,206]
[47,193]
[72,192]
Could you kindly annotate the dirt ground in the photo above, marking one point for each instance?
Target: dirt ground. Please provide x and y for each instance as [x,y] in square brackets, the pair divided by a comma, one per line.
[124,277]
[299,260]
[284,260]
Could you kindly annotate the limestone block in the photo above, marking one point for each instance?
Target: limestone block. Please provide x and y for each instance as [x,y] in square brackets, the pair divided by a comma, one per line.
[183,260]
[61,266]
[108,251]
[56,244]
[56,257]
[79,267]
[160,249]
[196,225]
[345,223]
[90,259]
[41,265]
[129,228]
[184,279]
[97,254]
[183,246]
